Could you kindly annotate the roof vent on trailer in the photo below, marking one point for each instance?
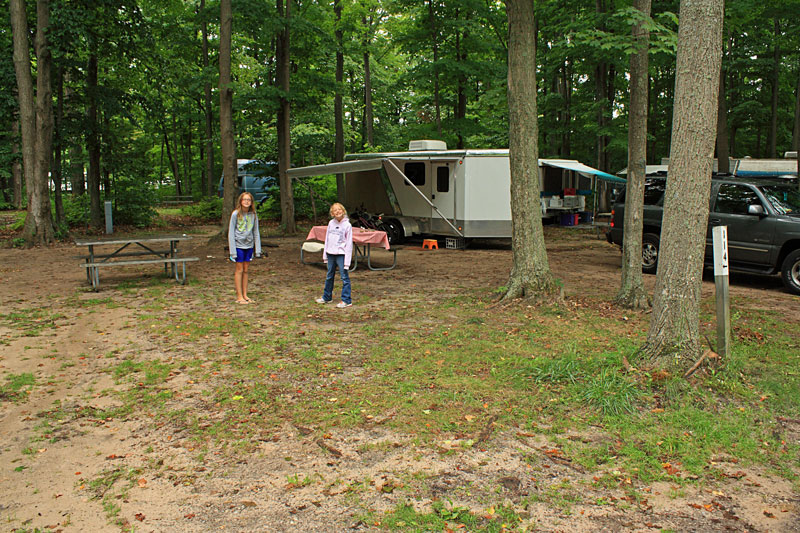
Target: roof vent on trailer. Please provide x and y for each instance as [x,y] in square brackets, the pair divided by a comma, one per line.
[427,145]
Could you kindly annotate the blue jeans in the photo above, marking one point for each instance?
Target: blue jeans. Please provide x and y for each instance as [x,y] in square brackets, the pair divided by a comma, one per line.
[334,262]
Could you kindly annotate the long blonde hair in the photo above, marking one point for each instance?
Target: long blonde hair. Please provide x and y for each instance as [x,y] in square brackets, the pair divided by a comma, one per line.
[239,204]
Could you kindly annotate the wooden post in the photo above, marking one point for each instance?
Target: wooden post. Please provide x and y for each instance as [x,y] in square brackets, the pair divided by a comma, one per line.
[720,235]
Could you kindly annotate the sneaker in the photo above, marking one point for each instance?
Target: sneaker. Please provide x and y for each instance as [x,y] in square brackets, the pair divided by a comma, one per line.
[322,301]
[342,305]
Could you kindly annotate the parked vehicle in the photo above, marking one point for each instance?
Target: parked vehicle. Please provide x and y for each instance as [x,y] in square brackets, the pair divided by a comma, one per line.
[464,193]
[762,216]
[256,176]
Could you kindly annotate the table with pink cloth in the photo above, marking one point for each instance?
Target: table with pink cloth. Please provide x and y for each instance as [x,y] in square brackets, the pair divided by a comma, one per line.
[363,239]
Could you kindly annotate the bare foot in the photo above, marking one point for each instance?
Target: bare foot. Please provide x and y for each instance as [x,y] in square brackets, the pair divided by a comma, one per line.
[242,302]
[249,300]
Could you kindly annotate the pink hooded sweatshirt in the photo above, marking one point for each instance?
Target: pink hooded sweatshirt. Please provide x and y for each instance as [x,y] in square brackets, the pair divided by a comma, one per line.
[339,240]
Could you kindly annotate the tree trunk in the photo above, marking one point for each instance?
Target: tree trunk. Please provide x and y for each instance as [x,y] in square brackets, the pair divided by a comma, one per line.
[210,186]
[284,125]
[369,130]
[772,137]
[57,174]
[338,111]
[723,151]
[36,122]
[93,143]
[602,104]
[187,159]
[632,293]
[76,171]
[173,163]
[530,272]
[16,166]
[435,46]
[461,96]
[227,141]
[565,114]
[673,338]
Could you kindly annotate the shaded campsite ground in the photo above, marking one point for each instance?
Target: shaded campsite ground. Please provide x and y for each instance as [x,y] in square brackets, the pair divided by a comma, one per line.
[150,406]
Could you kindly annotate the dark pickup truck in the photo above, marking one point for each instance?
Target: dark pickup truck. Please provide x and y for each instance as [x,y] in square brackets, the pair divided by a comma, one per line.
[763,219]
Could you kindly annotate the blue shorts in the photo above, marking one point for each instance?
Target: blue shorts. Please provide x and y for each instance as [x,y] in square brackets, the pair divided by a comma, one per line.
[244,255]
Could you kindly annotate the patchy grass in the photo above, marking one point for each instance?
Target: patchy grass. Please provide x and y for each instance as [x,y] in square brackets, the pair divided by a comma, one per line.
[552,370]
[31,322]
[17,387]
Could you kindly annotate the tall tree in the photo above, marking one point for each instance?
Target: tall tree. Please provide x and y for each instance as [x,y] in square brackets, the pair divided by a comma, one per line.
[338,110]
[59,121]
[632,293]
[772,135]
[673,336]
[16,166]
[227,140]
[723,142]
[432,17]
[530,271]
[208,112]
[369,126]
[283,67]
[93,138]
[36,118]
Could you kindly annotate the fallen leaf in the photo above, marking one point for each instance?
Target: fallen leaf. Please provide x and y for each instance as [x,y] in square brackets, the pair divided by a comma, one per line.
[142,482]
[139,517]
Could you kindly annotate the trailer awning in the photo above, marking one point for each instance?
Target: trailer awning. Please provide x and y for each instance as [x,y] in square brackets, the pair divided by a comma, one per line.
[580,168]
[341,167]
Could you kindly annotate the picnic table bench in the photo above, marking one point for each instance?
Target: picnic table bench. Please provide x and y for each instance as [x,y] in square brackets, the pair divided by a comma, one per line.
[142,248]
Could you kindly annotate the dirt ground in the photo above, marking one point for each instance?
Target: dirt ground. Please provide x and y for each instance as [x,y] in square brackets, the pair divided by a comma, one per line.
[44,484]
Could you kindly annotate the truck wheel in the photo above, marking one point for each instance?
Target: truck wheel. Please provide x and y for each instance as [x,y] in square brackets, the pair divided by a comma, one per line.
[650,245]
[790,272]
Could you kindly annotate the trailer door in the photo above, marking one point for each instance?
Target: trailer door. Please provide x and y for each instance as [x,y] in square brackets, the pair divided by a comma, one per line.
[443,192]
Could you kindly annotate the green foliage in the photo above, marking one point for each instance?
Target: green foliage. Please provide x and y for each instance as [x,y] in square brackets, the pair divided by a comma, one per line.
[134,202]
[76,210]
[322,187]
[19,221]
[208,209]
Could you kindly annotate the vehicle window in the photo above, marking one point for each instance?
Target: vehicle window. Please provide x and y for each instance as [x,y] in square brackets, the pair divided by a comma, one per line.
[415,172]
[734,199]
[783,199]
[442,179]
[654,191]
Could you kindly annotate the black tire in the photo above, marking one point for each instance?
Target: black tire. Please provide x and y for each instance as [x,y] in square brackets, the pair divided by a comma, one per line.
[394,231]
[650,248]
[790,272]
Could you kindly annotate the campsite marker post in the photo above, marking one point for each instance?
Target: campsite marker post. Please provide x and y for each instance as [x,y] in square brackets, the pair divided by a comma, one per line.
[720,235]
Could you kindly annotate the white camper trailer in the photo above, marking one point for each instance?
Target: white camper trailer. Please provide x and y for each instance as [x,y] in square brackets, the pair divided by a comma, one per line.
[461,193]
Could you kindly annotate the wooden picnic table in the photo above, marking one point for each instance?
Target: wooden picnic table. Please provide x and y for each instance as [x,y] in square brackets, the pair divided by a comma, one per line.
[136,250]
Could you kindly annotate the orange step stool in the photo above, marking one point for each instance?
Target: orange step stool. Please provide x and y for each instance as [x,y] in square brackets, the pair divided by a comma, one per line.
[430,244]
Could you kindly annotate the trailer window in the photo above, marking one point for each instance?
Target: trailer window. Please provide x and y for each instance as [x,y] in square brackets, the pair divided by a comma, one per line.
[415,173]
[443,179]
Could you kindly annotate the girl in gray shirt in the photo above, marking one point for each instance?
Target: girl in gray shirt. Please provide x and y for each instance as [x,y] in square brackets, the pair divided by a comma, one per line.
[243,241]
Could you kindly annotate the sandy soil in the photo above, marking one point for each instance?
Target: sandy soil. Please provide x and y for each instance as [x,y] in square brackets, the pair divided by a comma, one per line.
[46,483]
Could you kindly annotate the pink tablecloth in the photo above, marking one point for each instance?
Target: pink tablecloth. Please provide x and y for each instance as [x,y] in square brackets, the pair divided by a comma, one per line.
[360,236]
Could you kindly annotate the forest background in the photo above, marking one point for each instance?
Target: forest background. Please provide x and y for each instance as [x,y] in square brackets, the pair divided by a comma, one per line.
[135,87]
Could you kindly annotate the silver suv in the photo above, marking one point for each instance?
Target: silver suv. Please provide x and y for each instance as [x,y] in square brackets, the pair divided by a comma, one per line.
[763,219]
